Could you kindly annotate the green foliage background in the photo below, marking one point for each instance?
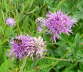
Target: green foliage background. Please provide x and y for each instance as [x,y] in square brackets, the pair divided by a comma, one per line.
[66,55]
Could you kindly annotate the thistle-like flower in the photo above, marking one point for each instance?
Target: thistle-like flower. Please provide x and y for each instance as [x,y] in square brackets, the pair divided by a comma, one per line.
[58,23]
[23,46]
[10,21]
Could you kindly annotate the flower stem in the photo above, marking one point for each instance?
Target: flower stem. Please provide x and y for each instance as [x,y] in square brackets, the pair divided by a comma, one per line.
[23,65]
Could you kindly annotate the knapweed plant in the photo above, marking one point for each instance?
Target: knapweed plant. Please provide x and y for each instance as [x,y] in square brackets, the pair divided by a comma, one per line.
[41,35]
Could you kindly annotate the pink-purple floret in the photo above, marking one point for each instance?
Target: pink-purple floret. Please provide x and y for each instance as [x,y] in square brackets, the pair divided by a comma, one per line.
[26,48]
[10,21]
[29,47]
[59,23]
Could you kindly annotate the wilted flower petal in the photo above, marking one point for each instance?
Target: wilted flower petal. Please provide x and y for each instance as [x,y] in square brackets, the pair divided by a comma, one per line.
[40,23]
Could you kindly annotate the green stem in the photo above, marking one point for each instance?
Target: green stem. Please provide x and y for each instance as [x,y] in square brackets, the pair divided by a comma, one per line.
[23,65]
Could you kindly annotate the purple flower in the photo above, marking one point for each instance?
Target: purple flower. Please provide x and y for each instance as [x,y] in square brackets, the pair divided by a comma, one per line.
[23,46]
[10,21]
[59,23]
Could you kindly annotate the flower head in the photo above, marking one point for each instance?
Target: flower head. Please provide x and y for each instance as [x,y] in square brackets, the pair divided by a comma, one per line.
[26,46]
[41,23]
[40,46]
[59,23]
[10,21]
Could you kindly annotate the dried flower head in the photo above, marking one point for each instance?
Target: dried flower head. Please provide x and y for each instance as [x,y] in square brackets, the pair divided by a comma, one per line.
[10,21]
[41,23]
[40,46]
[59,23]
[23,46]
